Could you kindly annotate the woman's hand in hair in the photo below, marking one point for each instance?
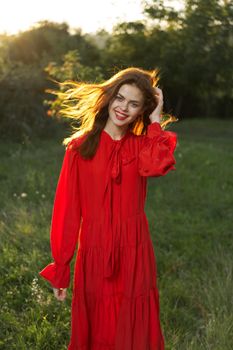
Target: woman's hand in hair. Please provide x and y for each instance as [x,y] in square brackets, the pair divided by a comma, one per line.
[155,116]
[59,293]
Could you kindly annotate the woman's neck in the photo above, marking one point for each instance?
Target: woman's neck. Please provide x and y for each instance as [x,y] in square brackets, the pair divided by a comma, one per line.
[116,132]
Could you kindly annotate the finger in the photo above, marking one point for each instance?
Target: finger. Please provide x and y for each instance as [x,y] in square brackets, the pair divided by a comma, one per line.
[157,89]
[159,94]
[55,292]
[159,98]
[60,294]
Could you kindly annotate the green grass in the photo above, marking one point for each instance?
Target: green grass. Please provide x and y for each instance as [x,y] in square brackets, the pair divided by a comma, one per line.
[190,218]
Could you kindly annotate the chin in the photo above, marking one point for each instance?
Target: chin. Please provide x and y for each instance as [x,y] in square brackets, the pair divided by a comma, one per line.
[120,123]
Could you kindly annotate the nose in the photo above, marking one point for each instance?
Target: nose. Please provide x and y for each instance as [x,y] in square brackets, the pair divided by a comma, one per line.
[124,106]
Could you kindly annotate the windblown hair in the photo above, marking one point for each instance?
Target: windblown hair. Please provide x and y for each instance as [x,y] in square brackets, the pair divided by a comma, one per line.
[88,104]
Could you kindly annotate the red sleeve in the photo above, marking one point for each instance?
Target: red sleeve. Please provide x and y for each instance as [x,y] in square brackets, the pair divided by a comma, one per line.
[156,154]
[65,223]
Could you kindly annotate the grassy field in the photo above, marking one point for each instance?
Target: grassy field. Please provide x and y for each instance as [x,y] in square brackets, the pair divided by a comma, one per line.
[190,217]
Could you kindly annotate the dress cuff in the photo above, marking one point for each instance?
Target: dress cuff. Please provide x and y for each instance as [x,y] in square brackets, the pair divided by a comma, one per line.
[57,275]
[154,129]
[168,137]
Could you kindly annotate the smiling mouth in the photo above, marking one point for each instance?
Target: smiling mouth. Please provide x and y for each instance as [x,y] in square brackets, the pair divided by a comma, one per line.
[120,116]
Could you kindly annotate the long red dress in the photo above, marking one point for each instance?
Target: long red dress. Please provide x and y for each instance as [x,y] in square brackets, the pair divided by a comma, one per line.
[99,206]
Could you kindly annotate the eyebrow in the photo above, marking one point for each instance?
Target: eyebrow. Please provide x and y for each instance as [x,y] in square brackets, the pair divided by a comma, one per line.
[130,100]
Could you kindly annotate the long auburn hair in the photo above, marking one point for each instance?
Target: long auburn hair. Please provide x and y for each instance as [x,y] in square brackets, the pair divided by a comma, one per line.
[88,104]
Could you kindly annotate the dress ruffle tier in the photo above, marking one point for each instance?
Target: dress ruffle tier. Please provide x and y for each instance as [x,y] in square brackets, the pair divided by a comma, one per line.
[127,304]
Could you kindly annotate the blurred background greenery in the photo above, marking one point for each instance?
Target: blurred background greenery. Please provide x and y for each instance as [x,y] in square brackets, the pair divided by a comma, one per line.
[193,49]
[189,211]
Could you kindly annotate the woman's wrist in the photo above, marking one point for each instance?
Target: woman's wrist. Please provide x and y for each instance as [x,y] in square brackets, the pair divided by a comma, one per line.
[156,115]
[155,118]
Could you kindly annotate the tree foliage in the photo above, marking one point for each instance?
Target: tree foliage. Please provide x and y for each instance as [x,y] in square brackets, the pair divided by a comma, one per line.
[198,53]
[24,76]
[70,69]
[192,48]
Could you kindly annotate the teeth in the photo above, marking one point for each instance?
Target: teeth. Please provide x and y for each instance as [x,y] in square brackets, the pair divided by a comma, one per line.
[121,115]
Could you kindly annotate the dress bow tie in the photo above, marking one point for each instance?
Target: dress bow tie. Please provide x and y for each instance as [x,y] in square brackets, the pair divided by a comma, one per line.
[112,248]
[116,164]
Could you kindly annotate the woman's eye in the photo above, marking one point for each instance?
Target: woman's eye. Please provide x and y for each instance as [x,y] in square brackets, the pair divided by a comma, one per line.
[134,105]
[119,97]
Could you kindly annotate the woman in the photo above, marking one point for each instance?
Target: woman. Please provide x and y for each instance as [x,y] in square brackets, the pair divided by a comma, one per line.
[99,204]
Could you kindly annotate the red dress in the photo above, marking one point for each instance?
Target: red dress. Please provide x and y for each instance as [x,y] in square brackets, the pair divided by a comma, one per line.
[99,206]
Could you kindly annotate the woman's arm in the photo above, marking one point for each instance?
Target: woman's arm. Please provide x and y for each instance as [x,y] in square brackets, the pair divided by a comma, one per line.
[156,155]
[65,224]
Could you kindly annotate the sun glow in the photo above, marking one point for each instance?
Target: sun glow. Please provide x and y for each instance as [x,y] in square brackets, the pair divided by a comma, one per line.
[90,16]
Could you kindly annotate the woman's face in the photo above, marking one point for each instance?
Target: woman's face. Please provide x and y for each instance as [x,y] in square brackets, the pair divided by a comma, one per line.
[126,106]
